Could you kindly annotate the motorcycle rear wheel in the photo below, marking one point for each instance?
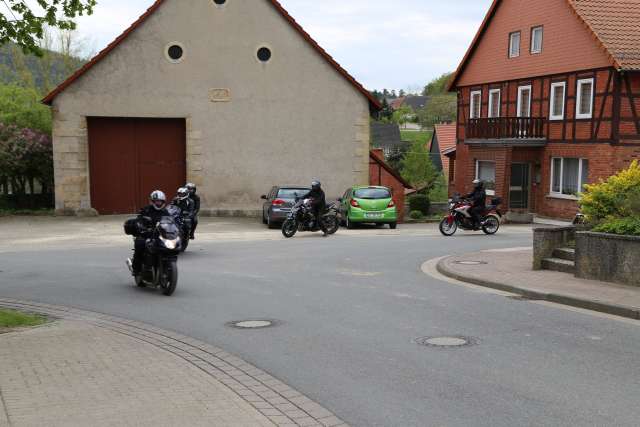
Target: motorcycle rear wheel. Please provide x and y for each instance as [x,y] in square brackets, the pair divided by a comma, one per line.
[491,225]
[447,229]
[330,225]
[170,278]
[289,228]
[185,244]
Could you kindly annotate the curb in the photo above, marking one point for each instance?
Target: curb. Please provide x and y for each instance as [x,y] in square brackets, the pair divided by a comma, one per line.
[594,305]
[281,404]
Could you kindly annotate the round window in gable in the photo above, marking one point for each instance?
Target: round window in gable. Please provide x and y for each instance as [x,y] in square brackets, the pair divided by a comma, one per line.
[220,2]
[264,54]
[174,52]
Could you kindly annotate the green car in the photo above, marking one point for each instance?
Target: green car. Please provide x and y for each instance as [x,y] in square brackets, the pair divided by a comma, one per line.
[368,205]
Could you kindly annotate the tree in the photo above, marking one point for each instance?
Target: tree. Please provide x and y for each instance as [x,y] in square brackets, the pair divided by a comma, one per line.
[387,113]
[439,109]
[437,86]
[402,93]
[25,26]
[402,115]
[418,169]
[20,106]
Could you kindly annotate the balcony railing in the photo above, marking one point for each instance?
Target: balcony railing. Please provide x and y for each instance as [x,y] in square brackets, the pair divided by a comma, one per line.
[507,128]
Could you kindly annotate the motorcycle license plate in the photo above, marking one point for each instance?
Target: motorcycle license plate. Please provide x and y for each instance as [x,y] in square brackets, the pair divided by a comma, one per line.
[375,215]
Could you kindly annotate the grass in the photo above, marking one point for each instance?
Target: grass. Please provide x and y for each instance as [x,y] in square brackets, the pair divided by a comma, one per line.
[14,319]
[413,136]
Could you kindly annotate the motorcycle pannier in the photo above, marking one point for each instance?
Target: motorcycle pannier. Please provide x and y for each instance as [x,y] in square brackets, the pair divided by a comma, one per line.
[131,227]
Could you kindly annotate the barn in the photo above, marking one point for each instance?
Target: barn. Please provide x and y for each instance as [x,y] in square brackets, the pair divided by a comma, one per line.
[232,95]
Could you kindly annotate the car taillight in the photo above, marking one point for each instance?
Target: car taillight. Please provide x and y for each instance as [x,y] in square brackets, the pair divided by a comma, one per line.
[355,203]
[278,202]
[391,204]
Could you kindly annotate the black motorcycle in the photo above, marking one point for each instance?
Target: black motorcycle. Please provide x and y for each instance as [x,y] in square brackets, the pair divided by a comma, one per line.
[160,260]
[301,218]
[184,223]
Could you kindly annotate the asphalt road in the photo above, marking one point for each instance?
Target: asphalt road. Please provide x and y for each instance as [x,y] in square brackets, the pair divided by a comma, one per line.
[350,307]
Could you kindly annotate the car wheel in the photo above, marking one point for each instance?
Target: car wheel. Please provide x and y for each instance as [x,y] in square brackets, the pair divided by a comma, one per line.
[271,224]
[350,224]
[264,219]
[393,225]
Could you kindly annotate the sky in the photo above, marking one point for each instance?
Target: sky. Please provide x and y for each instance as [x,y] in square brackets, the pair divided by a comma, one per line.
[396,44]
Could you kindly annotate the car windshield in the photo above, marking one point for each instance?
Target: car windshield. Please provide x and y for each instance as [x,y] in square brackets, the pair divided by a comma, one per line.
[372,193]
[292,193]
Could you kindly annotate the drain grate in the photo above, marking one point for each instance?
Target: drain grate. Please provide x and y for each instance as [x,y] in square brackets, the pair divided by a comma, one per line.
[253,324]
[446,342]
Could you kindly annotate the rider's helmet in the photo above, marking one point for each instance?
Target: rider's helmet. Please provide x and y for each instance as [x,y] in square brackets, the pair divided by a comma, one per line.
[158,200]
[183,193]
[191,187]
[477,184]
[316,185]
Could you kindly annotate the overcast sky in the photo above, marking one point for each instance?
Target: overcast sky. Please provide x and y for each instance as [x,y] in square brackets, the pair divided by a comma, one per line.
[397,44]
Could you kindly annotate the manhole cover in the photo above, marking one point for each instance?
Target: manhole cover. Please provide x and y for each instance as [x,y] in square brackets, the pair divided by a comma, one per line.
[471,262]
[445,342]
[252,324]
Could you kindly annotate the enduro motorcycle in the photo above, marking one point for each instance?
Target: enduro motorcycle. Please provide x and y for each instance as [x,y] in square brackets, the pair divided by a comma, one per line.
[184,224]
[459,217]
[301,218]
[160,260]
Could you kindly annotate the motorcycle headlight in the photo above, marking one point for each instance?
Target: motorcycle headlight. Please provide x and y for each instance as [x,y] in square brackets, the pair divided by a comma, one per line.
[170,243]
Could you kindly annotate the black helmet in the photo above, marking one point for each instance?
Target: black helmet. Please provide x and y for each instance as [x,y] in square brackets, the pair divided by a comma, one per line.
[191,187]
[316,185]
[478,184]
[183,193]
[158,199]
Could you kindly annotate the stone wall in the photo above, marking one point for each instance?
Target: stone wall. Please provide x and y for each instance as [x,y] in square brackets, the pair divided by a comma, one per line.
[546,239]
[608,257]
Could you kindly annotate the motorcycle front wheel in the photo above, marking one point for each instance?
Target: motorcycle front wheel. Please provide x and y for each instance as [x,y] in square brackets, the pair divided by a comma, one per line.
[447,229]
[170,278]
[289,228]
[491,225]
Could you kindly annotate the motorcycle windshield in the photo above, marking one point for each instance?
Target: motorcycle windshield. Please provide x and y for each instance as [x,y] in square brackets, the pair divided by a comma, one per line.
[168,228]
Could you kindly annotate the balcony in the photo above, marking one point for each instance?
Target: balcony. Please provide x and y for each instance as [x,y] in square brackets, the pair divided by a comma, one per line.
[518,130]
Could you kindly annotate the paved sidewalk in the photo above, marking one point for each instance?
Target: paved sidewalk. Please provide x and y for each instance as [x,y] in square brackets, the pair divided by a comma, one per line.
[510,270]
[88,369]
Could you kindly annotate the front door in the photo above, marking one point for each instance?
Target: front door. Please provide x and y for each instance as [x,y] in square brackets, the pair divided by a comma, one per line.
[519,189]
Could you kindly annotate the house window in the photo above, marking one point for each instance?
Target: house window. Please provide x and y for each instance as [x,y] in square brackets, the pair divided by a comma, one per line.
[494,103]
[524,101]
[568,176]
[514,44]
[556,101]
[536,39]
[476,104]
[486,172]
[584,103]
[264,54]
[174,52]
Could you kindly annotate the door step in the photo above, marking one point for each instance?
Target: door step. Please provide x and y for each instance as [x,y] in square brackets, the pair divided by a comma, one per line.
[568,254]
[558,264]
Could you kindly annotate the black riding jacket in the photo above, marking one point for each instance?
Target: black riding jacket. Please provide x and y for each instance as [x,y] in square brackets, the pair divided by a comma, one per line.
[196,203]
[478,197]
[153,213]
[187,206]
[319,201]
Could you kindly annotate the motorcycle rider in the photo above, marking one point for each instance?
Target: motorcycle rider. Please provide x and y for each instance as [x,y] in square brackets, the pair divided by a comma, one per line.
[318,200]
[150,215]
[478,198]
[196,207]
[185,204]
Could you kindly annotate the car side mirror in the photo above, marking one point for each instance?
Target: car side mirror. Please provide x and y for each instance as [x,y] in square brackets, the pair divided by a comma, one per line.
[263,197]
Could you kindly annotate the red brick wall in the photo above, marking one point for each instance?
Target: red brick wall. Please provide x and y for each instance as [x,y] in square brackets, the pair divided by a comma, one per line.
[379,176]
[567,44]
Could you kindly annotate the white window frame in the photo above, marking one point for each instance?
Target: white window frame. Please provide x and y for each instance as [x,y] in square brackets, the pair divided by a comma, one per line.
[579,98]
[520,90]
[492,93]
[513,54]
[489,192]
[552,100]
[581,184]
[539,28]
[472,105]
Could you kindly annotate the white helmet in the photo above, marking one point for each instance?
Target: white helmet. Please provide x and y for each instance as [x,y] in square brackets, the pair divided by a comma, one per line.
[183,193]
[158,199]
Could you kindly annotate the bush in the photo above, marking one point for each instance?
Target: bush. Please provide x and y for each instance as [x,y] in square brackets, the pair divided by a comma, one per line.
[419,203]
[624,226]
[416,215]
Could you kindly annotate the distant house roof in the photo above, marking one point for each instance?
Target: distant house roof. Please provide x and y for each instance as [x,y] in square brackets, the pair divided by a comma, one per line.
[385,135]
[416,102]
[397,103]
[443,142]
[615,25]
[373,102]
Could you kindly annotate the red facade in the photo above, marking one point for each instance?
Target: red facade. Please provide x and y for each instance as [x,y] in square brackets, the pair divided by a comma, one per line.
[383,175]
[537,138]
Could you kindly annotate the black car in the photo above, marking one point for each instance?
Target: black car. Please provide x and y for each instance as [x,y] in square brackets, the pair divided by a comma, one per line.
[278,203]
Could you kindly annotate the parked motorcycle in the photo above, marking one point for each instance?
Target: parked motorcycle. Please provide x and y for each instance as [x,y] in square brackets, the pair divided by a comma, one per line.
[184,224]
[160,261]
[459,217]
[301,218]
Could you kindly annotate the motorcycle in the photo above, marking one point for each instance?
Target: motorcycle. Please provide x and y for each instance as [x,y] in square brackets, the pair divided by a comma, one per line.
[459,217]
[160,260]
[301,218]
[184,224]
